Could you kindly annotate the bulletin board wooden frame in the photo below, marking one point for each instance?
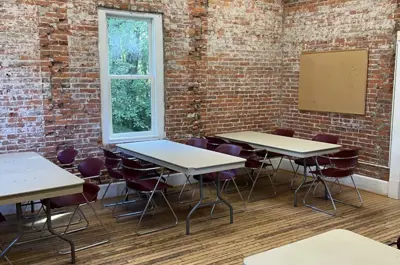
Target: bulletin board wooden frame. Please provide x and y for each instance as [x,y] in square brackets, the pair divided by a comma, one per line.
[334,81]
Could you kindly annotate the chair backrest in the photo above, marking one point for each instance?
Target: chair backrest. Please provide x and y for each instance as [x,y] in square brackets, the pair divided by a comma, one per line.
[132,169]
[326,138]
[197,142]
[229,149]
[345,159]
[284,132]
[247,150]
[112,160]
[91,191]
[214,142]
[67,156]
[90,167]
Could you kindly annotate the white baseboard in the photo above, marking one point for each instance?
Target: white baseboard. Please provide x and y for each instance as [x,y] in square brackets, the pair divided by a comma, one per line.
[377,186]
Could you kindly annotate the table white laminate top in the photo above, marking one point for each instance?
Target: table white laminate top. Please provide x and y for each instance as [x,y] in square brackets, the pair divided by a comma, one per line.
[336,247]
[280,144]
[182,158]
[28,176]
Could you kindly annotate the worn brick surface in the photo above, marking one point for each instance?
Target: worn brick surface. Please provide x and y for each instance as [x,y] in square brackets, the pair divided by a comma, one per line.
[229,65]
[336,25]
[222,62]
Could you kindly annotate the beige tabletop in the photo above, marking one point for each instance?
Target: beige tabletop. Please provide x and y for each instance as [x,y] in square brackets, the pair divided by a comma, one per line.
[182,158]
[336,247]
[283,145]
[28,176]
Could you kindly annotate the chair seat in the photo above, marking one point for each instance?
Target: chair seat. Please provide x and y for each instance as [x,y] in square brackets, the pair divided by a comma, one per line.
[223,175]
[90,190]
[146,185]
[334,172]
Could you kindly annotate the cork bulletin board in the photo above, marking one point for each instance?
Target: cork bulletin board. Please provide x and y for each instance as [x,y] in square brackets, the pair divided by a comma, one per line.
[334,81]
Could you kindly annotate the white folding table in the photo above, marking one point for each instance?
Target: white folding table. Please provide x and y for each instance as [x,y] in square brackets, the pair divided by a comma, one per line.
[331,248]
[188,160]
[288,146]
[28,176]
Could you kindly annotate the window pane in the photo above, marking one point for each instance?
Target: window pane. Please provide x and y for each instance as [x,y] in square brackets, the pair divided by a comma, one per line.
[128,45]
[131,105]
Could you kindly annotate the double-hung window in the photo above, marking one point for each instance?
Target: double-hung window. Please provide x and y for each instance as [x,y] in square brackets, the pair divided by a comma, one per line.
[131,75]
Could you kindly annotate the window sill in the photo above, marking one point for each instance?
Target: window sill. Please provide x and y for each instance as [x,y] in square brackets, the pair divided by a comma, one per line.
[131,139]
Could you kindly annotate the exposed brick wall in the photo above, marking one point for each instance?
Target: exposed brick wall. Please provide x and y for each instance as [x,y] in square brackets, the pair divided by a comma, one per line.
[229,65]
[244,51]
[222,69]
[334,25]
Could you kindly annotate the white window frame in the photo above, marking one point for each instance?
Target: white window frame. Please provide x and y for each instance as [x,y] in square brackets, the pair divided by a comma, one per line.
[156,74]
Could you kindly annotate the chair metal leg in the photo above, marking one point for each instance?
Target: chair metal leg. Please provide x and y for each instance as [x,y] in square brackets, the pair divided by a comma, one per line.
[183,190]
[302,182]
[124,202]
[20,231]
[358,192]
[358,195]
[5,257]
[258,175]
[250,173]
[320,178]
[105,192]
[294,178]
[137,230]
[41,237]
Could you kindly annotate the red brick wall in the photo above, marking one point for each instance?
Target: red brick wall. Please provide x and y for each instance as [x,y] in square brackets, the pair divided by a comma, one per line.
[229,65]
[222,69]
[334,25]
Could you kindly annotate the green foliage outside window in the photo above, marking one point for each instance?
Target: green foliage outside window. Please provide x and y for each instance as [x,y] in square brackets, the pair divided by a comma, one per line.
[128,53]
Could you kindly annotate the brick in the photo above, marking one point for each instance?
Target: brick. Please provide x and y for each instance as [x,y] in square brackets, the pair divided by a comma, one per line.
[229,66]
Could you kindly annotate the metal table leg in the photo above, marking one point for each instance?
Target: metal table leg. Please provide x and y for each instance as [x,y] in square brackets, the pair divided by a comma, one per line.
[196,206]
[20,231]
[50,228]
[302,182]
[201,204]
[224,201]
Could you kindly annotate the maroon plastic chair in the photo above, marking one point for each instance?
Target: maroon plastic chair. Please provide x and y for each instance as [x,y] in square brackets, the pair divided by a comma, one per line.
[225,175]
[66,157]
[3,219]
[90,168]
[87,197]
[112,163]
[280,132]
[254,162]
[272,155]
[214,142]
[144,181]
[112,160]
[196,142]
[310,162]
[342,165]
[284,132]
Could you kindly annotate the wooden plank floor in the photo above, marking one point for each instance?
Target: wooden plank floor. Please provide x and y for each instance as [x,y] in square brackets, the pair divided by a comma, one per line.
[266,224]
